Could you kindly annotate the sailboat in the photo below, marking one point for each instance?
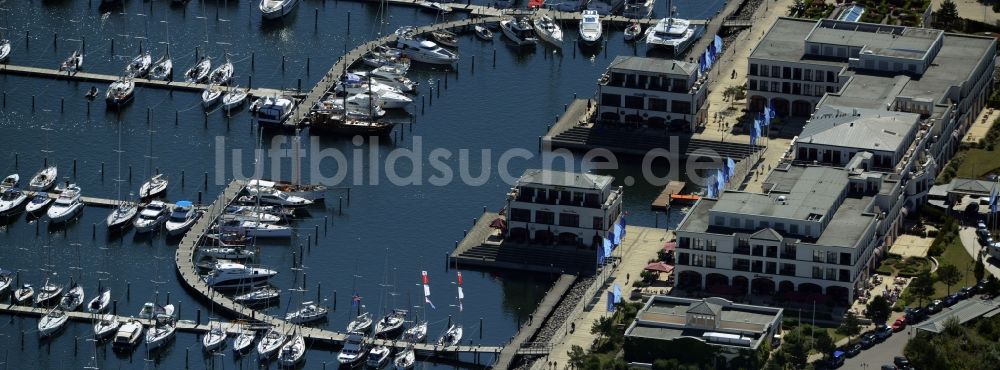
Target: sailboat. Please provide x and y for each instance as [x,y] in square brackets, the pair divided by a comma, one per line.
[273,9]
[163,69]
[107,325]
[215,338]
[418,332]
[222,74]
[44,179]
[199,71]
[405,359]
[47,293]
[124,211]
[244,340]
[4,50]
[139,66]
[74,63]
[310,312]
[162,332]
[73,298]
[100,303]
[292,352]
[271,342]
[157,184]
[453,335]
[53,321]
[24,294]
[392,322]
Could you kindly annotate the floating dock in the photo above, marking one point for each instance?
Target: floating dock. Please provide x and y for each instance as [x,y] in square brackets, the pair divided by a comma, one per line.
[662,201]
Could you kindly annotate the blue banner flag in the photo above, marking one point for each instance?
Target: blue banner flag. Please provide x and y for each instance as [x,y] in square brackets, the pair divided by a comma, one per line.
[730,168]
[710,189]
[600,255]
[720,180]
[621,222]
[618,235]
[993,199]
[618,293]
[717,44]
[611,302]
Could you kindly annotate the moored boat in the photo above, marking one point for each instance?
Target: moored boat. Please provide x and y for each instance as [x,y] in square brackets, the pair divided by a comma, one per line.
[199,72]
[214,339]
[128,335]
[53,321]
[291,353]
[107,325]
[44,179]
[483,33]
[139,66]
[591,29]
[4,50]
[74,63]
[66,206]
[73,298]
[155,186]
[222,74]
[210,96]
[120,92]
[519,31]
[273,9]
[100,303]
[633,31]
[548,30]
[163,69]
[271,342]
[233,98]
[181,218]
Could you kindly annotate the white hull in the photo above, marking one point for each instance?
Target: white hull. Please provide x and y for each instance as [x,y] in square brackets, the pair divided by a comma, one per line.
[244,341]
[122,217]
[270,344]
[59,215]
[178,228]
[159,337]
[106,326]
[49,326]
[100,303]
[12,205]
[291,353]
[214,339]
[274,9]
[547,30]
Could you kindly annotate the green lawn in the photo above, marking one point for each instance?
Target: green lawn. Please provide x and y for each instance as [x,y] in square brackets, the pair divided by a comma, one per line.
[979,163]
[956,255]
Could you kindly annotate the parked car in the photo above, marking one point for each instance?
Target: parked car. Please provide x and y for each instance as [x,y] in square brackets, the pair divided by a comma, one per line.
[935,306]
[853,350]
[868,340]
[915,314]
[967,292]
[888,367]
[901,362]
[985,240]
[899,324]
[883,332]
[951,300]
[980,225]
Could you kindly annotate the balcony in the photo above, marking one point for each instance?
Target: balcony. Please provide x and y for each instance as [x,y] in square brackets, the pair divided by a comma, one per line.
[742,250]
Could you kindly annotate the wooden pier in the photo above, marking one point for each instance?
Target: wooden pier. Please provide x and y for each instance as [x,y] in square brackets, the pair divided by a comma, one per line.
[662,201]
[187,271]
[529,329]
[108,79]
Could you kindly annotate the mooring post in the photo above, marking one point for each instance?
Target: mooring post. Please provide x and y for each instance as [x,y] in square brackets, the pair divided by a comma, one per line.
[340,205]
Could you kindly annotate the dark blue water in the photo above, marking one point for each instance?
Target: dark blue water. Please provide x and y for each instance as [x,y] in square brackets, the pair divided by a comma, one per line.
[496,108]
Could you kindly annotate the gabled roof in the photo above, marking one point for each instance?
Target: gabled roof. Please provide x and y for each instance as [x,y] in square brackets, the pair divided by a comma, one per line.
[767,234]
[864,129]
[705,308]
[970,186]
[565,179]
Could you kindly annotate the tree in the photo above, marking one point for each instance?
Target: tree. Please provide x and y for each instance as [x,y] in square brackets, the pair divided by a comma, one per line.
[851,326]
[824,343]
[796,349]
[949,275]
[922,287]
[576,357]
[992,286]
[947,14]
[980,270]
[878,310]
[603,326]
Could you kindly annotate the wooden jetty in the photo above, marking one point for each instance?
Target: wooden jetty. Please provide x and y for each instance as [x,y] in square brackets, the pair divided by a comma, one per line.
[107,79]
[529,329]
[187,271]
[662,201]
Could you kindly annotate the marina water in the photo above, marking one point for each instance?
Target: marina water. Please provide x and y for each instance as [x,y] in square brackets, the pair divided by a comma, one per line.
[499,108]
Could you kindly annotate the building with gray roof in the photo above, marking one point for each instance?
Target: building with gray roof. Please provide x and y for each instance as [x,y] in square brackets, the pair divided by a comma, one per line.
[652,91]
[684,328]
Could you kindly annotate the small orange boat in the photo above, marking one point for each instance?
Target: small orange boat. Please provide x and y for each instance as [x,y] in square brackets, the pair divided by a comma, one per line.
[684,198]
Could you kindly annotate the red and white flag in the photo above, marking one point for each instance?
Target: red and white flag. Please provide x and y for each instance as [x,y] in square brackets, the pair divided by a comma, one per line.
[427,288]
[423,275]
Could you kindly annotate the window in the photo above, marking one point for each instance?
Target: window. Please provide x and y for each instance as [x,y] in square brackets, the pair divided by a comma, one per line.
[819,76]
[598,223]
[719,221]
[753,69]
[797,74]
[740,264]
[711,245]
[764,71]
[817,272]
[758,250]
[734,222]
[683,259]
[831,257]
[829,89]
[808,75]
[776,71]
[753,84]
[794,229]
[682,107]
[807,89]
[710,261]
[818,256]
[545,217]
[635,102]
[831,274]
[771,268]
[520,214]
[757,266]
[814,49]
[787,269]
[763,86]
[788,251]
[569,219]
[775,86]
[611,100]
[786,88]
[657,104]
[772,251]
[699,244]
[830,77]
[697,260]
[796,88]
[845,275]
[786,72]
[845,259]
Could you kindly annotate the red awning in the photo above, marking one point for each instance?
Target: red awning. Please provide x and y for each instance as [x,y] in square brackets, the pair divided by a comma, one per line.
[659,266]
[669,246]
[498,223]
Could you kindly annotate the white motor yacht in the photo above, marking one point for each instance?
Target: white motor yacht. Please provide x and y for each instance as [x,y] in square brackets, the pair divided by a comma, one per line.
[259,295]
[355,349]
[44,179]
[245,213]
[672,33]
[385,77]
[378,356]
[548,30]
[151,217]
[128,336]
[38,203]
[182,217]
[107,325]
[235,275]
[53,321]
[277,197]
[11,201]
[590,27]
[11,181]
[66,206]
[638,8]
[519,31]
[273,9]
[423,51]
[253,228]
[228,253]
[274,111]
